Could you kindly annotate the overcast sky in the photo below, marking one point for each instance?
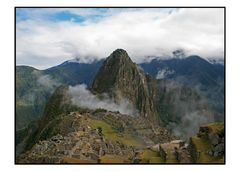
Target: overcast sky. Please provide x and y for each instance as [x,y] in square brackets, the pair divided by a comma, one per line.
[47,37]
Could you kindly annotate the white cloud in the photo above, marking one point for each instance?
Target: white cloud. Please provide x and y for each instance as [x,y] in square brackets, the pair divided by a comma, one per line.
[82,97]
[142,32]
[48,82]
[164,73]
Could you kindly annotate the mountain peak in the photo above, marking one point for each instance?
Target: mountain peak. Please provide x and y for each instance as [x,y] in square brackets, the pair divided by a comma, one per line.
[120,51]
[119,55]
[112,69]
[120,78]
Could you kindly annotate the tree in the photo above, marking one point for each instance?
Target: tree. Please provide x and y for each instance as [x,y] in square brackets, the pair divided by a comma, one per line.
[99,129]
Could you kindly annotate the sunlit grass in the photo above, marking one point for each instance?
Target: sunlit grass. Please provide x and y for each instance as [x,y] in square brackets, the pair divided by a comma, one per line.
[111,134]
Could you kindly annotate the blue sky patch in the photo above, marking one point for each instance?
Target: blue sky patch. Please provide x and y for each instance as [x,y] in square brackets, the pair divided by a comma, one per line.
[66,16]
[56,15]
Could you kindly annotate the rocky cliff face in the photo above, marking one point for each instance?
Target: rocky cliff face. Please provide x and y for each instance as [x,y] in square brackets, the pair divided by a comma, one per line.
[121,79]
[159,101]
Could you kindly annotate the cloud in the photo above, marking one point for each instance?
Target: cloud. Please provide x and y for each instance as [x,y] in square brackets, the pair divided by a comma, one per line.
[190,123]
[142,32]
[189,110]
[163,73]
[82,97]
[47,82]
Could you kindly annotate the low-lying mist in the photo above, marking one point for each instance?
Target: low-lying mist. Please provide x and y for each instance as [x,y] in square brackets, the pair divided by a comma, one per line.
[82,97]
[48,82]
[191,109]
[189,124]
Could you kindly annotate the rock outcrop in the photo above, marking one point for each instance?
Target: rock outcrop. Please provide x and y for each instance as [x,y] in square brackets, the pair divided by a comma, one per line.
[121,79]
[173,152]
[208,145]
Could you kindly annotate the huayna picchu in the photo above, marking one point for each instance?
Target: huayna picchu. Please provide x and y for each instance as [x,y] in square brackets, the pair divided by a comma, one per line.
[122,115]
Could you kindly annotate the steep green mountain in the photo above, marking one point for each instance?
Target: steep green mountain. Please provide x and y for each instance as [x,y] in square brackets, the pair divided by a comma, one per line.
[120,78]
[34,87]
[31,95]
[58,105]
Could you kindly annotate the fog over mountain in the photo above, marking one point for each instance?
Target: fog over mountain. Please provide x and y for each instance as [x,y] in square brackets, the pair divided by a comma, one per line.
[82,97]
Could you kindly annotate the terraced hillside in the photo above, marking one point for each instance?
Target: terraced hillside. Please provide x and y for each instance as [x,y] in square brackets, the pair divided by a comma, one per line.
[84,137]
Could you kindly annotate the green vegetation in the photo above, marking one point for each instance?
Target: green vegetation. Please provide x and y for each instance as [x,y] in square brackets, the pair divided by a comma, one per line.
[202,144]
[26,113]
[217,127]
[30,96]
[20,134]
[99,110]
[156,160]
[108,159]
[70,160]
[112,134]
[149,156]
[54,113]
[26,78]
[55,105]
[171,158]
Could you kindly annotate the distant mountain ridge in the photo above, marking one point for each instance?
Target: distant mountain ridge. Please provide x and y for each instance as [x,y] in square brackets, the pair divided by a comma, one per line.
[33,89]
[194,68]
[31,95]
[193,71]
[73,72]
